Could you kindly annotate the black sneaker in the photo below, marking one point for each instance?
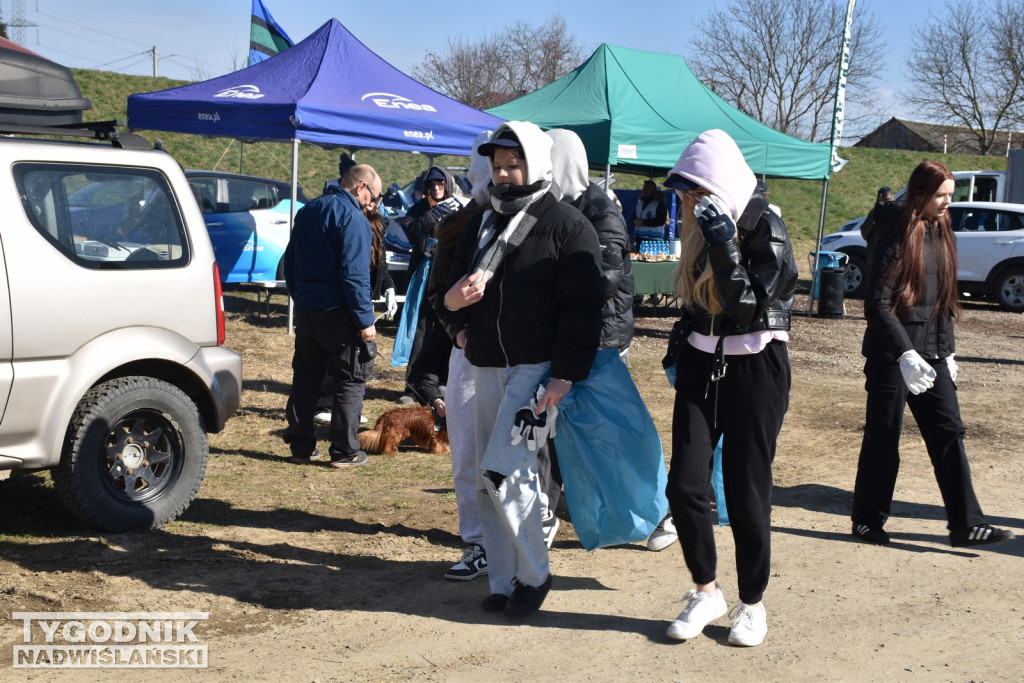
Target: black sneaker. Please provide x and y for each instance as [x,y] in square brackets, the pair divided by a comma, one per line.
[495,602]
[306,459]
[982,534]
[472,564]
[526,600]
[342,461]
[870,534]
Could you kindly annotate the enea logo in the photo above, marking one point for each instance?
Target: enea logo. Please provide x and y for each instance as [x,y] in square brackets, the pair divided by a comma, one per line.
[241,92]
[386,100]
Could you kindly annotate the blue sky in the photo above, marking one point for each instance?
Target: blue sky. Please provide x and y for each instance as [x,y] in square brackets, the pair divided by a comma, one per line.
[206,37]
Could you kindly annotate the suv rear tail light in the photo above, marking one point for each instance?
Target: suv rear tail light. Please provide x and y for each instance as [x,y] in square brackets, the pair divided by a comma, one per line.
[219,303]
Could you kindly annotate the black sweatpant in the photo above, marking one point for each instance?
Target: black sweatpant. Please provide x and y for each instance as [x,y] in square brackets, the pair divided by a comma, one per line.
[752,399]
[326,339]
[937,412]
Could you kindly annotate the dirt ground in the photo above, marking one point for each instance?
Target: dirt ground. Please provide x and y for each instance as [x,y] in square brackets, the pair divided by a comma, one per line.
[312,574]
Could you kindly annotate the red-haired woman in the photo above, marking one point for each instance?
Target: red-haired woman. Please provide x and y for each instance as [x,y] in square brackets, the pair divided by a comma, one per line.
[909,346]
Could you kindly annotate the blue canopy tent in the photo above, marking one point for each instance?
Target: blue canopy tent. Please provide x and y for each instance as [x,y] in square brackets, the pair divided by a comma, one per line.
[329,90]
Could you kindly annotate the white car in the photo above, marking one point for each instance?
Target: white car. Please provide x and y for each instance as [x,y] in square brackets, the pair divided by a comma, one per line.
[990,252]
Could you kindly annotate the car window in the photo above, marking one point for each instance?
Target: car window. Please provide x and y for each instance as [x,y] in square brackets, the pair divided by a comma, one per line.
[104,218]
[205,191]
[245,195]
[986,220]
[962,190]
[985,189]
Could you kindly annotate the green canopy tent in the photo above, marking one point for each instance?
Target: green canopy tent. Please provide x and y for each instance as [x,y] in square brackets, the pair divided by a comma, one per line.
[636,111]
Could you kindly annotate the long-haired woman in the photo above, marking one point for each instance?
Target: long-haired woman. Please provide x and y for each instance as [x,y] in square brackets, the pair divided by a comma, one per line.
[909,347]
[736,279]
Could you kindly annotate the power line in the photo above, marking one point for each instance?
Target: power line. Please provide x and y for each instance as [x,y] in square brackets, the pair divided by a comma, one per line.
[213,67]
[90,28]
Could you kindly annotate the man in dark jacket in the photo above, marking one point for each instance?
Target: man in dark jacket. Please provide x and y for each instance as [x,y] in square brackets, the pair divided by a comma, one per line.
[327,270]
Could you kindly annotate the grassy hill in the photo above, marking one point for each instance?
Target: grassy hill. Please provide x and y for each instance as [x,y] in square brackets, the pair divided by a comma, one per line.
[851,192]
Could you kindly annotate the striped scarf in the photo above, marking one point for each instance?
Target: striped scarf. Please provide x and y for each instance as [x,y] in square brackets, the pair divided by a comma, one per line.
[522,203]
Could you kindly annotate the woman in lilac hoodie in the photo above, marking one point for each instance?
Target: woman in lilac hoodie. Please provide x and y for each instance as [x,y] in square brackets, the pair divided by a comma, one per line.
[736,280]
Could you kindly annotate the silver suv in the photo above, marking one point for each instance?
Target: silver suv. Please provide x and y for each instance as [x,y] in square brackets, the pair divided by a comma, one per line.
[990,252]
[112,363]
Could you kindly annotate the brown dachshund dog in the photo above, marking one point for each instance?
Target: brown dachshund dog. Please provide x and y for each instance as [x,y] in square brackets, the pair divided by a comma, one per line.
[405,424]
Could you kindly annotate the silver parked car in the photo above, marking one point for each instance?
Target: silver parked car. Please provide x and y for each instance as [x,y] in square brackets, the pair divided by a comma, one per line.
[112,359]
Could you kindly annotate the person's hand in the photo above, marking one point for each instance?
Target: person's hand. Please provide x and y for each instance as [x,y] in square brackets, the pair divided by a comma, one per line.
[918,375]
[467,291]
[439,407]
[552,394]
[716,224]
[954,369]
[460,339]
[533,424]
[445,207]
[390,303]
[368,334]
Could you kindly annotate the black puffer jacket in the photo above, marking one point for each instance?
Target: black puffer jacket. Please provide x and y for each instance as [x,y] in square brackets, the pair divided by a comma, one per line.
[921,328]
[616,269]
[755,275]
[544,302]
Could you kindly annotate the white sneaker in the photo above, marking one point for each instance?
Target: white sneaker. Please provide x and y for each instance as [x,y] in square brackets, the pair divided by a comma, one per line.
[664,536]
[550,530]
[324,418]
[703,608]
[749,625]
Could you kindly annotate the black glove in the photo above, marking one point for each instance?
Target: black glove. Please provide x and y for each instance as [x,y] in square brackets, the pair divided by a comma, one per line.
[716,224]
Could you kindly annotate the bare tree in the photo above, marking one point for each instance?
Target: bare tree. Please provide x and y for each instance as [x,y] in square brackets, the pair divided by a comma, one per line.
[968,68]
[777,60]
[502,66]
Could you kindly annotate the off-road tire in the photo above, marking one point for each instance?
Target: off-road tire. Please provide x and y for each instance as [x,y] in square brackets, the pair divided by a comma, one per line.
[134,456]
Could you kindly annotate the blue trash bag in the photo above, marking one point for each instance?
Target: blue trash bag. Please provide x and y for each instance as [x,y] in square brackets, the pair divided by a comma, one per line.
[718,486]
[414,296]
[610,456]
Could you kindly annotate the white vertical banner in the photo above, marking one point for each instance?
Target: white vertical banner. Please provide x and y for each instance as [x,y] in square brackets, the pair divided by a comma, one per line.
[840,105]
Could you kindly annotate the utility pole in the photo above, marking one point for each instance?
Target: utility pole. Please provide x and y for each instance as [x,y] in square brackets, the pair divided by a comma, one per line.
[154,61]
[17,25]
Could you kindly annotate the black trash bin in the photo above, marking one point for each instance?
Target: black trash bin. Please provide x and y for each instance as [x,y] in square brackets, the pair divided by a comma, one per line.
[832,283]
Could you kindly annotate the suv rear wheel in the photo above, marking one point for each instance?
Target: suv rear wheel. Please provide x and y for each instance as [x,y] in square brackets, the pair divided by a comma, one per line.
[134,456]
[1009,289]
[856,280]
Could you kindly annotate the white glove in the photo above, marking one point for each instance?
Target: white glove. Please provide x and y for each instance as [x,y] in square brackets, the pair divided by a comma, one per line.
[390,303]
[954,369]
[919,376]
[536,428]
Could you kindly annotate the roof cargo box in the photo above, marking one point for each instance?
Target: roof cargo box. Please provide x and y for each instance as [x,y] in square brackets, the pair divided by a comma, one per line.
[35,91]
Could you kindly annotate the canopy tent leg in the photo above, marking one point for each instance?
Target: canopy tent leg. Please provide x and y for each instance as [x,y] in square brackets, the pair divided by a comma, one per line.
[291,222]
[817,244]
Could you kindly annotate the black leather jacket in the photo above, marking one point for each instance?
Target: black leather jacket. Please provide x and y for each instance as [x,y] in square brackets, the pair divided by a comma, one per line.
[755,275]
